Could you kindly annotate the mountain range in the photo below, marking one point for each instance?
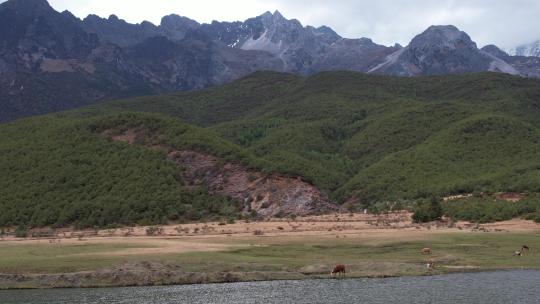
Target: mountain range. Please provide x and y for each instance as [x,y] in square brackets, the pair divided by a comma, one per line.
[51,61]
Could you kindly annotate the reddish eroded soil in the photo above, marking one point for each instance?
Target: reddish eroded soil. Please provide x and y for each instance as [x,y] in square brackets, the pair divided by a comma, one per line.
[510,196]
[269,195]
[128,136]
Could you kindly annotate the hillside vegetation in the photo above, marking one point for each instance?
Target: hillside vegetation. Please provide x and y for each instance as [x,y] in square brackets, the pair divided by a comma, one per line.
[60,171]
[380,137]
[372,138]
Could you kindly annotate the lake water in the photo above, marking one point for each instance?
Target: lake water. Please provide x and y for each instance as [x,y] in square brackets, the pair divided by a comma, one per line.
[485,287]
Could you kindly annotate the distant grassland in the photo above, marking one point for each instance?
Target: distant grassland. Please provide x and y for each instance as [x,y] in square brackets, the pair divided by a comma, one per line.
[479,250]
[311,255]
[376,138]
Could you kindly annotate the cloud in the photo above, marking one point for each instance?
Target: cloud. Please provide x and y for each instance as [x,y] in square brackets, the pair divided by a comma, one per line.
[505,23]
[502,22]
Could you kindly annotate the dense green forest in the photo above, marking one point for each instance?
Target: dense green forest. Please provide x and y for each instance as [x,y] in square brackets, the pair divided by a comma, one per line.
[376,138]
[379,137]
[59,171]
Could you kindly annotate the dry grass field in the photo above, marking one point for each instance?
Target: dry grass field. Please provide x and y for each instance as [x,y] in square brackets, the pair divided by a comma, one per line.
[370,246]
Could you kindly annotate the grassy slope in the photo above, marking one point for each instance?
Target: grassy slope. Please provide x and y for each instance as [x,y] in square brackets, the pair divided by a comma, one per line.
[377,137]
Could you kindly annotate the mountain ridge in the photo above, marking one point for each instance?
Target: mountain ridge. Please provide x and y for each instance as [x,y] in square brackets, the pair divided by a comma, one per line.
[52,61]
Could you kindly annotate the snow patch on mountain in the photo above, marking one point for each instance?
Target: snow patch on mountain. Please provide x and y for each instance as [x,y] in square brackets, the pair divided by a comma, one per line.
[390,59]
[263,43]
[499,65]
[528,50]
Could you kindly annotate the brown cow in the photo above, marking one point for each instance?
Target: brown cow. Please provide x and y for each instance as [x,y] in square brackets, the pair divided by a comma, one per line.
[339,270]
[425,251]
[525,247]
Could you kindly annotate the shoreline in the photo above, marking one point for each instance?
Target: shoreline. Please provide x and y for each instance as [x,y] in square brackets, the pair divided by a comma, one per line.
[230,277]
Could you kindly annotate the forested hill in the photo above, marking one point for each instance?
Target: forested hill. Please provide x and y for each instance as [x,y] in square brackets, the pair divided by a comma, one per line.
[379,137]
[357,138]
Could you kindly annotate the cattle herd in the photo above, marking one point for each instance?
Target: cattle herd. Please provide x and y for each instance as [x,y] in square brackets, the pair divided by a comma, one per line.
[340,268]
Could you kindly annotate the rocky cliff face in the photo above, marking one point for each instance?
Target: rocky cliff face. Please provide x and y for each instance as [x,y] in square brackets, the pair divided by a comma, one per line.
[495,51]
[268,195]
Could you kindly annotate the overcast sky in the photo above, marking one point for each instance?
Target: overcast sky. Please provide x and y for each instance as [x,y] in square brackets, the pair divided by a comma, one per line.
[506,23]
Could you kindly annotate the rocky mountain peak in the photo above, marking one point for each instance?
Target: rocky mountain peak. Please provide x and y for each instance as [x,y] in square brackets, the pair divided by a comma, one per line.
[365,40]
[325,30]
[276,15]
[175,21]
[442,36]
[36,28]
[176,27]
[68,14]
[28,7]
[114,18]
[439,50]
[495,51]
[276,19]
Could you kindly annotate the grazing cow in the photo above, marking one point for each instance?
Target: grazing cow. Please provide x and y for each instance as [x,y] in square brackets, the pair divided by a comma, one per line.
[517,253]
[425,251]
[525,247]
[339,270]
[430,264]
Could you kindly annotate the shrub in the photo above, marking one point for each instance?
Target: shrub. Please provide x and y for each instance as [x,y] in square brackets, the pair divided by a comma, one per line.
[280,214]
[43,233]
[427,211]
[535,217]
[154,230]
[21,232]
[487,209]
